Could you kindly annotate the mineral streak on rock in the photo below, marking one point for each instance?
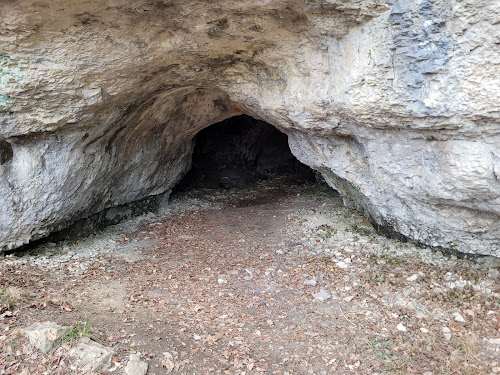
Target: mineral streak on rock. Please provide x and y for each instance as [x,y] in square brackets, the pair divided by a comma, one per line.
[395,102]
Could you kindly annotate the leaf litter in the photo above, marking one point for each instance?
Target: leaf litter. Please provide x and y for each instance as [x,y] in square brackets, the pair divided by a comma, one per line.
[221,283]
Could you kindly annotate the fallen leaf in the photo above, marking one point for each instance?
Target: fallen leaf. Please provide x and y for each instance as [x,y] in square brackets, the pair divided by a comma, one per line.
[168,364]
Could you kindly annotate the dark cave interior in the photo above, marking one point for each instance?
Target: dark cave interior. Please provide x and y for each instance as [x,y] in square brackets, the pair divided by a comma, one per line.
[239,152]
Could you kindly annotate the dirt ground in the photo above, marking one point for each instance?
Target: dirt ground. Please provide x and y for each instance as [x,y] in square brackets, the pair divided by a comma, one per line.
[279,278]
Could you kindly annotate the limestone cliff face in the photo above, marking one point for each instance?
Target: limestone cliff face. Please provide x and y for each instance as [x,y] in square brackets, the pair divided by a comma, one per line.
[395,102]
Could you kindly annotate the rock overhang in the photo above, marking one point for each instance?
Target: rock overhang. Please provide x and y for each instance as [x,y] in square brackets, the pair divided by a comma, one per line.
[100,102]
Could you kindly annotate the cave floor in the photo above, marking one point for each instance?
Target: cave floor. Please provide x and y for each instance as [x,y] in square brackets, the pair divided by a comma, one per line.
[279,278]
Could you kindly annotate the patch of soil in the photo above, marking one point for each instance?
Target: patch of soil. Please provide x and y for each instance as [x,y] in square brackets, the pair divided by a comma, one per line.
[230,282]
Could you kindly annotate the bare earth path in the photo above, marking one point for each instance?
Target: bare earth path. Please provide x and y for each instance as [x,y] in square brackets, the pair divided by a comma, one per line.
[277,279]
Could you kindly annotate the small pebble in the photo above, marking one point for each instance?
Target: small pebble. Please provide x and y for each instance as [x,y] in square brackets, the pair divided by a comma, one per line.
[342,265]
[401,327]
[458,317]
[412,278]
[322,295]
[446,333]
[311,282]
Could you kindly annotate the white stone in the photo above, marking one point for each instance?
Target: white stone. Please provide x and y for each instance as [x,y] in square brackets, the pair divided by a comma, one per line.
[92,354]
[310,282]
[446,333]
[135,366]
[412,277]
[43,336]
[401,327]
[458,317]
[322,295]
[342,265]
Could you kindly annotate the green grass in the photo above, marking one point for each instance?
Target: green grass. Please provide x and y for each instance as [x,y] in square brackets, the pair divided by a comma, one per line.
[392,260]
[460,296]
[74,332]
[382,347]
[11,297]
[372,259]
[325,231]
[361,230]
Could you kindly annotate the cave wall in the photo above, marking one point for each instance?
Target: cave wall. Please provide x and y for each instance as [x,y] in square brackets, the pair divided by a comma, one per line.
[395,102]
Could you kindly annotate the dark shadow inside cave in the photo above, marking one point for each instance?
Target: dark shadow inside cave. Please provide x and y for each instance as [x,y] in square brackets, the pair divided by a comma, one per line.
[239,152]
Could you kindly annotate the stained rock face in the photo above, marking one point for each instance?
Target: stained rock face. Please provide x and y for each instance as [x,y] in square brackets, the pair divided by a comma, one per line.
[395,102]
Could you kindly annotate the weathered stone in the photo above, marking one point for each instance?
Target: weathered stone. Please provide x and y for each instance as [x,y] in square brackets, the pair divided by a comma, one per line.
[322,295]
[394,102]
[43,336]
[135,366]
[310,282]
[88,353]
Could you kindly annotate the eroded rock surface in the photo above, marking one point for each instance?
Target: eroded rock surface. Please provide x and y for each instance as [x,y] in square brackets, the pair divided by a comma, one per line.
[394,102]
[89,354]
[44,335]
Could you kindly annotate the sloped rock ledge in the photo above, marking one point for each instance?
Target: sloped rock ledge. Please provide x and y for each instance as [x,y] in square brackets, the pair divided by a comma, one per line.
[395,103]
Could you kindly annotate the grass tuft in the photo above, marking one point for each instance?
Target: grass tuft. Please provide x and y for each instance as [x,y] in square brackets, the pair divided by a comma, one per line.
[467,346]
[74,333]
[12,297]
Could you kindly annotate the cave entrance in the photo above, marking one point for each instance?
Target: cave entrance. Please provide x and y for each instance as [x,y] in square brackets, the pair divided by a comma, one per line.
[239,152]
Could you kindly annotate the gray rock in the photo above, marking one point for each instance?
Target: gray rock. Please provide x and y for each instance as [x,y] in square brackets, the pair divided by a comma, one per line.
[409,133]
[446,333]
[458,317]
[322,295]
[43,336]
[135,366]
[88,353]
[310,282]
[493,273]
